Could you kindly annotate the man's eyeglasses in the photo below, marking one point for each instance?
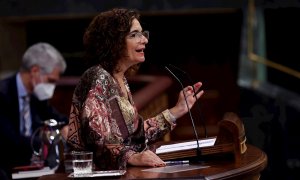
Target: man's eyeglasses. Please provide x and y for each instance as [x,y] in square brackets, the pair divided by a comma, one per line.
[138,35]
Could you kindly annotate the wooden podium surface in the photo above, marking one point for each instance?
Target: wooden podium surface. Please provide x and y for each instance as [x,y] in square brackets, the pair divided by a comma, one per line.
[253,161]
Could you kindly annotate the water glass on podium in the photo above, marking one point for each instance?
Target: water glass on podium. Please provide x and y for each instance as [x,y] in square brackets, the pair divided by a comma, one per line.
[82,163]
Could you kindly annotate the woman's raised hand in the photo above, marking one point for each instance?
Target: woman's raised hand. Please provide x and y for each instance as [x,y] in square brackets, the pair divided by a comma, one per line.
[181,106]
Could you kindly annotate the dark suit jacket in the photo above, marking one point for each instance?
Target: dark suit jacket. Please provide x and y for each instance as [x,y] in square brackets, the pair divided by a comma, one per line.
[15,150]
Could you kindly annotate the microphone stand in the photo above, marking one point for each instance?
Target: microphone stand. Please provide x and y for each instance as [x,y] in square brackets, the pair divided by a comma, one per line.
[190,114]
[198,106]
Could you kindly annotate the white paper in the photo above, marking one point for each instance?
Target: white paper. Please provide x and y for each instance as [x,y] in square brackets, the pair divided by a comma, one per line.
[33,173]
[185,145]
[100,174]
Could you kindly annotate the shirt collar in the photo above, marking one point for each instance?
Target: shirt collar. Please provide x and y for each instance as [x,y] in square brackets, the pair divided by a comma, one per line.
[20,86]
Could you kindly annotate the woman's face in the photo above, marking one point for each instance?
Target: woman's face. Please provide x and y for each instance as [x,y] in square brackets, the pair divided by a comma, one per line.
[136,43]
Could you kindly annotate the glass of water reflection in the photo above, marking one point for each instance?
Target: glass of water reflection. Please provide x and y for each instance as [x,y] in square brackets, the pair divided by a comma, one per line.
[82,163]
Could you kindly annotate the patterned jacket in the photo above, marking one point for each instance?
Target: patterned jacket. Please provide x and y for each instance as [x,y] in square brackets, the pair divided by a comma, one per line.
[104,121]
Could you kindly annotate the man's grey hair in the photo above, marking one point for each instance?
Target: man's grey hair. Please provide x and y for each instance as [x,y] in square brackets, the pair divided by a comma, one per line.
[45,56]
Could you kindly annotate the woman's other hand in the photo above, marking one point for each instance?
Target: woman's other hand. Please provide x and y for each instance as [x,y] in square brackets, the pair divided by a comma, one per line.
[146,158]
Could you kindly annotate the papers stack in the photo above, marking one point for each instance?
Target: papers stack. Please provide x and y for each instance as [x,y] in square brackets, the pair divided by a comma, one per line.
[33,173]
[185,146]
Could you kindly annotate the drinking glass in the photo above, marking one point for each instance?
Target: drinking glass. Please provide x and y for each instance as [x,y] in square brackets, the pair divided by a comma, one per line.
[82,163]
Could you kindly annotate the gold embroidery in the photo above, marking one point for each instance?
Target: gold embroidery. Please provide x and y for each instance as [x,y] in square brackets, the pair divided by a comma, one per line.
[128,113]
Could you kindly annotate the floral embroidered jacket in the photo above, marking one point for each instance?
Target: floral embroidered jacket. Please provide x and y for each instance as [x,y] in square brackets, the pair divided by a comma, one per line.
[102,120]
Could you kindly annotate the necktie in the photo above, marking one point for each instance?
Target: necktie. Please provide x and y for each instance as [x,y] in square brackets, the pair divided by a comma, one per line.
[25,114]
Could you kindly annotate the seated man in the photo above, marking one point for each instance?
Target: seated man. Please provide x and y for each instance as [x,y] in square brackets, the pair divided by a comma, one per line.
[24,101]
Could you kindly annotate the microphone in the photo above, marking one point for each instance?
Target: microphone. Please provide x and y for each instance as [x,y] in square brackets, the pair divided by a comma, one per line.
[190,114]
[195,93]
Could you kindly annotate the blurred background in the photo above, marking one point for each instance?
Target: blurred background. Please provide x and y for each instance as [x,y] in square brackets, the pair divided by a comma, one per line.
[245,52]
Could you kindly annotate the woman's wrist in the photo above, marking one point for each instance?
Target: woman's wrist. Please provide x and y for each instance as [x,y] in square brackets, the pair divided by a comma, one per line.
[173,118]
[176,112]
[132,160]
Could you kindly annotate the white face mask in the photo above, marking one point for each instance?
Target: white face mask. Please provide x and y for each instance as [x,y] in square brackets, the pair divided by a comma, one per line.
[44,91]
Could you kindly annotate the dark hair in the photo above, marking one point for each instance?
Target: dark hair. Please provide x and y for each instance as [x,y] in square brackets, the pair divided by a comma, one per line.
[104,39]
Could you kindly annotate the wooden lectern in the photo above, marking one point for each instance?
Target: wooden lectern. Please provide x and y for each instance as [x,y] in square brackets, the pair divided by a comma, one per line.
[231,139]
[244,163]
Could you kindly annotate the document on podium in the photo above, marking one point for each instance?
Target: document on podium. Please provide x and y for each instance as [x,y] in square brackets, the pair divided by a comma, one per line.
[185,145]
[33,173]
